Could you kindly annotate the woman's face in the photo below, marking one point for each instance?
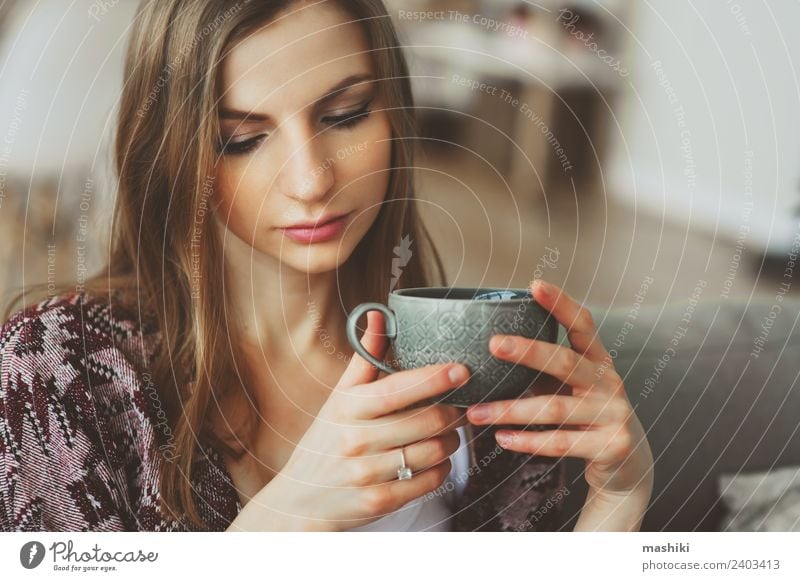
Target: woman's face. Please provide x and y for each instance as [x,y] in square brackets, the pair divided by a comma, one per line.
[303,137]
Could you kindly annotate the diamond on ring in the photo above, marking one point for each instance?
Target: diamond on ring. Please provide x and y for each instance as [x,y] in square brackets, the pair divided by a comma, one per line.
[404,472]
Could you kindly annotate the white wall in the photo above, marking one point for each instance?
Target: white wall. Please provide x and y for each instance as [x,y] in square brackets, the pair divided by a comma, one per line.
[734,67]
[61,66]
[61,71]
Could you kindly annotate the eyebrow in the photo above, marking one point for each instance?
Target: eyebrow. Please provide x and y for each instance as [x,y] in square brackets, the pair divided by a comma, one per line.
[332,93]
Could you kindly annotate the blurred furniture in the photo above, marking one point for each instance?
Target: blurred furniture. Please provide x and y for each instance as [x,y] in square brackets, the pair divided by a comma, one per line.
[51,228]
[716,409]
[5,8]
[61,77]
[548,95]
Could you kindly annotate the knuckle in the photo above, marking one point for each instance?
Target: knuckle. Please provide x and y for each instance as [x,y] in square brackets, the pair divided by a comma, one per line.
[620,412]
[559,443]
[585,318]
[622,444]
[440,471]
[565,364]
[385,388]
[377,500]
[438,419]
[453,414]
[347,403]
[555,410]
[390,394]
[501,409]
[390,400]
[353,443]
[453,442]
[612,376]
[431,451]
[388,387]
[439,448]
[360,473]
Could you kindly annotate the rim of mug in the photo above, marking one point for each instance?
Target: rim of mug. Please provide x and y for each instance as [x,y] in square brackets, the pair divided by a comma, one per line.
[401,294]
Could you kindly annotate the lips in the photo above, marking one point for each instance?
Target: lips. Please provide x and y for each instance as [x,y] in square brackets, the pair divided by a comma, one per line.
[313,233]
[316,224]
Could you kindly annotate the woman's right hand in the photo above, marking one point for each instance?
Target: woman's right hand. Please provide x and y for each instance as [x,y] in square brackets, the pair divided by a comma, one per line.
[343,471]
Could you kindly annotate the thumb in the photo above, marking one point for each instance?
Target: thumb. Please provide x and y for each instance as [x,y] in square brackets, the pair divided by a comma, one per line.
[361,371]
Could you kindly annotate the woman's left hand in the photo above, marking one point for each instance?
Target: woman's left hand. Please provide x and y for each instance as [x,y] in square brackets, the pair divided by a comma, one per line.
[597,421]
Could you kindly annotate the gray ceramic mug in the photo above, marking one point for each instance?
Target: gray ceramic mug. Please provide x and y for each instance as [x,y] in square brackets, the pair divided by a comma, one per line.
[433,325]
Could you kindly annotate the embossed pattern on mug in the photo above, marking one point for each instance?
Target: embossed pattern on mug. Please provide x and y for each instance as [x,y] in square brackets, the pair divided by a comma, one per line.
[439,337]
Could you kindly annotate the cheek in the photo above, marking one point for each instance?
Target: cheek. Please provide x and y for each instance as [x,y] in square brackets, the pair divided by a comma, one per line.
[239,202]
[363,172]
[363,178]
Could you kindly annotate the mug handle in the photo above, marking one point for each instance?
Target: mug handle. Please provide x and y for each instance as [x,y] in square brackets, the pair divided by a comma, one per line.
[352,338]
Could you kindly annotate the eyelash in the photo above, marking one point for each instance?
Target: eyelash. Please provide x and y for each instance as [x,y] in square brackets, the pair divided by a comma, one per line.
[344,122]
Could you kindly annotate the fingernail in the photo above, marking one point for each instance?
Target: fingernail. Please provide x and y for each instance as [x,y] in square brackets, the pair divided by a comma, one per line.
[458,373]
[503,438]
[503,345]
[479,412]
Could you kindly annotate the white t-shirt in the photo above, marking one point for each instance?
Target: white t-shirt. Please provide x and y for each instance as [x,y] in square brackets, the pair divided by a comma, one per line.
[432,511]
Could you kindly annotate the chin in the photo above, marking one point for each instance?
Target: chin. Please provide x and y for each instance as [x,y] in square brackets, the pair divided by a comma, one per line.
[314,259]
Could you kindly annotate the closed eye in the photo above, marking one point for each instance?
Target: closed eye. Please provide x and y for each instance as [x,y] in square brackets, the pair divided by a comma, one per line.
[239,147]
[344,121]
[350,119]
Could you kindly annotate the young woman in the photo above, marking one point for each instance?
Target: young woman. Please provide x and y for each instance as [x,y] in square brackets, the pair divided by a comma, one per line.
[203,380]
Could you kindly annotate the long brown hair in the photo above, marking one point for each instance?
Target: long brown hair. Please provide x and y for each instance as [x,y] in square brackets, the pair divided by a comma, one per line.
[165,155]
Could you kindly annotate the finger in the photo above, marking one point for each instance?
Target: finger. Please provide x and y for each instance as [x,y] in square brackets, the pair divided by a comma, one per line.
[404,388]
[425,453]
[397,493]
[594,445]
[383,467]
[550,409]
[406,427]
[577,320]
[559,361]
[359,370]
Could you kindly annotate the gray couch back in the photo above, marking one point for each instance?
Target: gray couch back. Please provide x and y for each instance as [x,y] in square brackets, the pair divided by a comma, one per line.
[715,386]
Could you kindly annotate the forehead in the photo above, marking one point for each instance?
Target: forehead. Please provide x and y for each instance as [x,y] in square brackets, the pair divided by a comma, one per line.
[295,58]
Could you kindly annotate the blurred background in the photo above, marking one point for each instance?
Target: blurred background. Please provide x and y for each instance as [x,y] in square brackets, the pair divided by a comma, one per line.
[628,139]
[634,153]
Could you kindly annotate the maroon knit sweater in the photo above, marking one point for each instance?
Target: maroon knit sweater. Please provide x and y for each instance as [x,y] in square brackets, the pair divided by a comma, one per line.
[80,432]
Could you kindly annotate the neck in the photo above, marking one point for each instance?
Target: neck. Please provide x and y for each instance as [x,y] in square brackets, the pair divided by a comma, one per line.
[278,309]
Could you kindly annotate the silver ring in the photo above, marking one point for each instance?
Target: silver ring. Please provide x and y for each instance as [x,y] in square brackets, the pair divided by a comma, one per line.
[404,472]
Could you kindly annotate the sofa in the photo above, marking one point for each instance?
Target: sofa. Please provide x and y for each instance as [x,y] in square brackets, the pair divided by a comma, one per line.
[715,385]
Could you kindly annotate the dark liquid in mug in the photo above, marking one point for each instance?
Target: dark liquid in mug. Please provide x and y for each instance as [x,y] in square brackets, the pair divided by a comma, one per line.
[502,295]
[476,294]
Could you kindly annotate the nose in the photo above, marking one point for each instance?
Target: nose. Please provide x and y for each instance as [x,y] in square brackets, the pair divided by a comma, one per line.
[307,174]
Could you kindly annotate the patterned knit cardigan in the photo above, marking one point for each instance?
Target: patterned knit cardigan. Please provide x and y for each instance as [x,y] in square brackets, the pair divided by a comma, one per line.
[80,432]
